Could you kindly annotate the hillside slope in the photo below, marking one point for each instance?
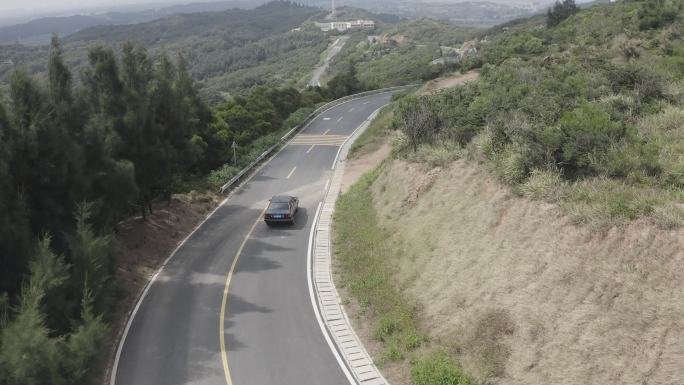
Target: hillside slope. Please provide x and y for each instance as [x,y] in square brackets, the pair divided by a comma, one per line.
[523,296]
[228,51]
[528,227]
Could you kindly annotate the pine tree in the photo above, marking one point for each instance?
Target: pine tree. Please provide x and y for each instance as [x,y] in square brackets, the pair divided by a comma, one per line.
[112,181]
[561,11]
[15,232]
[84,344]
[93,260]
[28,354]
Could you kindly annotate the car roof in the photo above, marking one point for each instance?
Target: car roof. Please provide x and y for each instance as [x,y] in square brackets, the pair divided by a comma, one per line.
[281,199]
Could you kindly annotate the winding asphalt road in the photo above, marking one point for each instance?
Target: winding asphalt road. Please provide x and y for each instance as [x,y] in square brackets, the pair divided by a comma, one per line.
[271,333]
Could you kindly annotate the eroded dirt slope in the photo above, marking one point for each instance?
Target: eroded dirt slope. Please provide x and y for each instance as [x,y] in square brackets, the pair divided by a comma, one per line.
[521,294]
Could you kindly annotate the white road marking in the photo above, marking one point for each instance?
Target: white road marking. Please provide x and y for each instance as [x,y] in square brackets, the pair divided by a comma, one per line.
[119,349]
[366,102]
[326,131]
[365,123]
[317,311]
[112,379]
[310,148]
[340,119]
[351,109]
[327,183]
[291,172]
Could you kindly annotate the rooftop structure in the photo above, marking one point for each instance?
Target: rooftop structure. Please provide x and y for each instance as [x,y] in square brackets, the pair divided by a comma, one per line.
[343,26]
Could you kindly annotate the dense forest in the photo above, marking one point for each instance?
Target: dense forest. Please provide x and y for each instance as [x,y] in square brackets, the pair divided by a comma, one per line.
[225,52]
[75,159]
[582,108]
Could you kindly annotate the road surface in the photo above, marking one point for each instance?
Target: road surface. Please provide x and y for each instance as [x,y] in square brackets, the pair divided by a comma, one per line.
[334,50]
[270,332]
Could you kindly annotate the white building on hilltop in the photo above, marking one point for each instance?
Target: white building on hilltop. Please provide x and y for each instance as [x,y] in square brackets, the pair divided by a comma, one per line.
[343,26]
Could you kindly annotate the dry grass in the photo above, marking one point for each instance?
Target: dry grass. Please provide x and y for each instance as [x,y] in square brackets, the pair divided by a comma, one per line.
[524,295]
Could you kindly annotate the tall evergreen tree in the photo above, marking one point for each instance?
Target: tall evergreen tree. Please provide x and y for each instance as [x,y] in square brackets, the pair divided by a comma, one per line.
[560,11]
[112,181]
[15,232]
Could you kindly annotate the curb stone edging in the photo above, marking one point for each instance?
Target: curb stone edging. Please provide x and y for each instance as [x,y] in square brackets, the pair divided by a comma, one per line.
[110,370]
[357,359]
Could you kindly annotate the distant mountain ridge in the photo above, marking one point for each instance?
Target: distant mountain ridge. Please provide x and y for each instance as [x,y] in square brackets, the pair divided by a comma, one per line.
[40,30]
[226,52]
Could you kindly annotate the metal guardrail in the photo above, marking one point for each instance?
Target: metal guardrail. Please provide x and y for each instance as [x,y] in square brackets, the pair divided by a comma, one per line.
[245,171]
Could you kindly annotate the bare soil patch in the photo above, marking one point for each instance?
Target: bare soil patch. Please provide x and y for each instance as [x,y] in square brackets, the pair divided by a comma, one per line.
[361,164]
[145,244]
[449,81]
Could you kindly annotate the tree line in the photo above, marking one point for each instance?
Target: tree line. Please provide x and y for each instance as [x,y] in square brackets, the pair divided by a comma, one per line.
[75,159]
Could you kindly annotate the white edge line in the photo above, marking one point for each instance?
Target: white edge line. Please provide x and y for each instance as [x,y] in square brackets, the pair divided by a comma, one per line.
[115,366]
[367,121]
[119,349]
[319,319]
[131,317]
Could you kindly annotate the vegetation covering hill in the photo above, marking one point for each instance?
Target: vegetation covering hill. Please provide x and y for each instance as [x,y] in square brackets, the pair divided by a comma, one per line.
[39,31]
[587,112]
[226,52]
[474,13]
[401,53]
[76,159]
[529,226]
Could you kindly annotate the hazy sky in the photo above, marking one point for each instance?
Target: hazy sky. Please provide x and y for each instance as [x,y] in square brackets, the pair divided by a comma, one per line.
[49,5]
[15,8]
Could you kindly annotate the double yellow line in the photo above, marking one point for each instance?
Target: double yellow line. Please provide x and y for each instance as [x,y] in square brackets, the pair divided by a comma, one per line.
[224,302]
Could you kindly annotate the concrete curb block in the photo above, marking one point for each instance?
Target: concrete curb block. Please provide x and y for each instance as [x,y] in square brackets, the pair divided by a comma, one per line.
[357,359]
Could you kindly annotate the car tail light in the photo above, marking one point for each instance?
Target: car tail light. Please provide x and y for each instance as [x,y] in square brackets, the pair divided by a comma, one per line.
[267,216]
[288,216]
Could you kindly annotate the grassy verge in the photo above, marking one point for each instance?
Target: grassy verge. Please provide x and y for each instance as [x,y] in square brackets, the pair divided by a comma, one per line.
[365,270]
[373,137]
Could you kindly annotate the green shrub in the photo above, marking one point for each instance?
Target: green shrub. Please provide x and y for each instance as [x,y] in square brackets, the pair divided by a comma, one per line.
[587,130]
[437,368]
[657,13]
[385,328]
[509,165]
[544,185]
[412,339]
[218,178]
[393,352]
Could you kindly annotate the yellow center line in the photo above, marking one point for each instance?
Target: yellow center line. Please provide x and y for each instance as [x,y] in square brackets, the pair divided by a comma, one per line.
[310,148]
[291,172]
[224,302]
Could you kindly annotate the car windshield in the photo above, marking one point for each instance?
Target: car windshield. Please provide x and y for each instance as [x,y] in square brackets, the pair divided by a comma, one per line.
[278,206]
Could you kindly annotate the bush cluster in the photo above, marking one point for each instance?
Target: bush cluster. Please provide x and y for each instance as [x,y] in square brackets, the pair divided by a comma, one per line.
[579,111]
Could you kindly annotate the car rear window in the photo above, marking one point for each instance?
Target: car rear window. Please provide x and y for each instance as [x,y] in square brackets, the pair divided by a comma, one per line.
[278,206]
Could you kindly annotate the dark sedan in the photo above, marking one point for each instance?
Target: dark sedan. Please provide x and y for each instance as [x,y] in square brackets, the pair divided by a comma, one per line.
[281,209]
